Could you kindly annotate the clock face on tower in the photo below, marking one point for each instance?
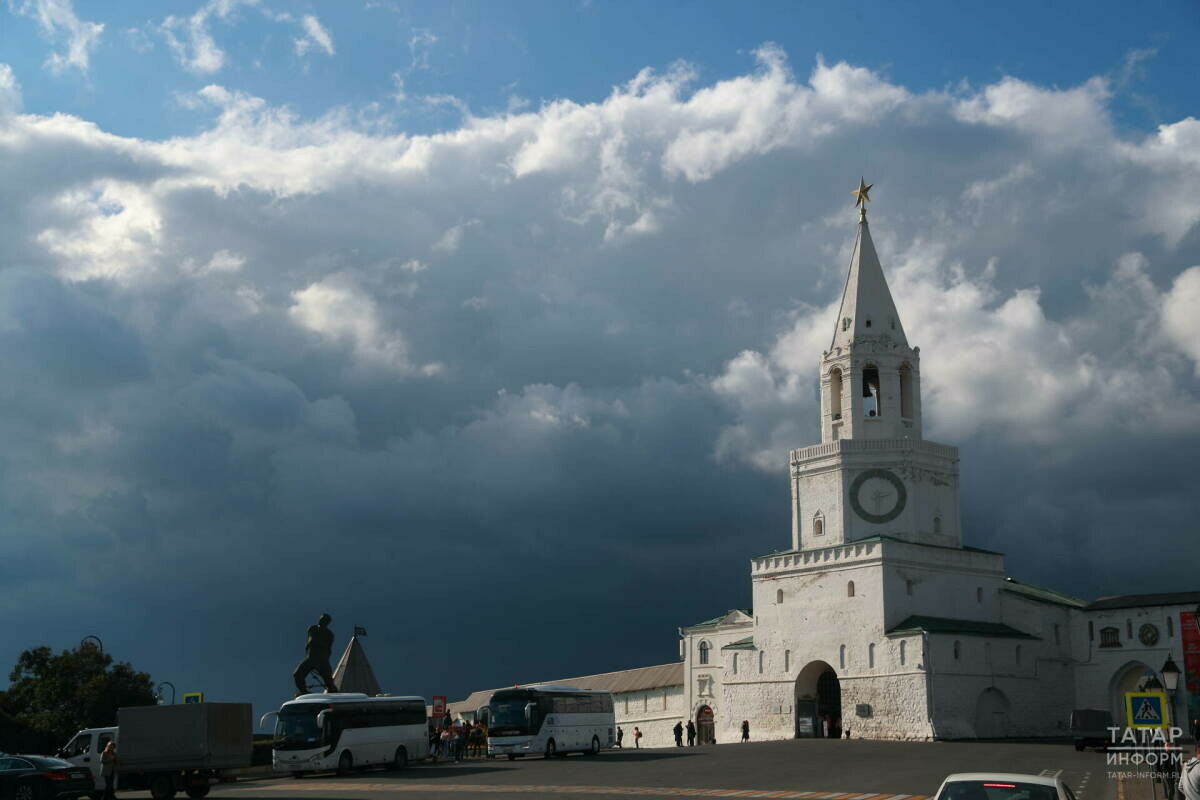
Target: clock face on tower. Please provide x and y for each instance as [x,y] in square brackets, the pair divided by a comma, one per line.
[877,495]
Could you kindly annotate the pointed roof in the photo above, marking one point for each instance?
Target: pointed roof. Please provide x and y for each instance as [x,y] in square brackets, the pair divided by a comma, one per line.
[354,673]
[866,297]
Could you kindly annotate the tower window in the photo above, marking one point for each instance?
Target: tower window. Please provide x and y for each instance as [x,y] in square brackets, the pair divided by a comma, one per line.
[867,324]
[704,652]
[835,393]
[903,653]
[787,660]
[872,401]
[906,391]
[779,596]
[850,589]
[818,525]
[937,524]
[1170,627]
[957,651]
[842,657]
[871,655]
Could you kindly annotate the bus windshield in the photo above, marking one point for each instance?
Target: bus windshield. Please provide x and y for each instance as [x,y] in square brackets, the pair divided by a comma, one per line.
[506,715]
[297,728]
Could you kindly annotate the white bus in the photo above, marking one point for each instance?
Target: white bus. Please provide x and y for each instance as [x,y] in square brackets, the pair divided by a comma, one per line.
[551,720]
[328,731]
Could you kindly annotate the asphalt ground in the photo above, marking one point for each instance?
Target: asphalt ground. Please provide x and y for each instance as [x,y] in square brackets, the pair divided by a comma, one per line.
[798,770]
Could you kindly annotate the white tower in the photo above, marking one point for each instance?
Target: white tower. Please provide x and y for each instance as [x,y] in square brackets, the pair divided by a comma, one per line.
[872,474]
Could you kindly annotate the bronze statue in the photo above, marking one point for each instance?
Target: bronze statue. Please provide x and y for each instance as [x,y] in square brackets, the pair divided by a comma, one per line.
[316,656]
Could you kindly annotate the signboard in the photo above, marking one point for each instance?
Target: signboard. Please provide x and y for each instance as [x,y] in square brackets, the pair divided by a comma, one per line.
[193,697]
[1189,633]
[439,706]
[1146,710]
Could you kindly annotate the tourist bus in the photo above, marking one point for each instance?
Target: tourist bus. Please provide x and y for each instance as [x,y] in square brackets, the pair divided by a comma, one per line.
[551,720]
[341,731]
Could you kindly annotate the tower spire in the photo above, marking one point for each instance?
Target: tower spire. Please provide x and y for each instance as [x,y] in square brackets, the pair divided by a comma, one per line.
[867,308]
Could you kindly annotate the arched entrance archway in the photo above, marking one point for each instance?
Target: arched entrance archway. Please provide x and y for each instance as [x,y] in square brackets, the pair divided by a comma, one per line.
[991,714]
[1131,677]
[818,701]
[706,729]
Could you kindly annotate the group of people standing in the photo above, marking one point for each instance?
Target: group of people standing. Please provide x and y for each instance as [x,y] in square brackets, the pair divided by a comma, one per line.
[678,730]
[457,740]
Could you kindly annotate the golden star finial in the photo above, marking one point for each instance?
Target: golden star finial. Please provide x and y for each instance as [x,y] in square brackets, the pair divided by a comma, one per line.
[861,198]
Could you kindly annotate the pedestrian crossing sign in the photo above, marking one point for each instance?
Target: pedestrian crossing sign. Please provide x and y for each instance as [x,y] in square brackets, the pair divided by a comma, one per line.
[1146,709]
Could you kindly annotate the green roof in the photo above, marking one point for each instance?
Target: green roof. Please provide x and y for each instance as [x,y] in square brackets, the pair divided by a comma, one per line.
[962,627]
[710,623]
[1042,595]
[741,644]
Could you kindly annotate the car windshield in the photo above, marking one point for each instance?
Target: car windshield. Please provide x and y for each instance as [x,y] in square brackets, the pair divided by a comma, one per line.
[997,790]
[297,727]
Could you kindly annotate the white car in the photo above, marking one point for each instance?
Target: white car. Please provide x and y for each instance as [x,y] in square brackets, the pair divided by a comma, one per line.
[1003,786]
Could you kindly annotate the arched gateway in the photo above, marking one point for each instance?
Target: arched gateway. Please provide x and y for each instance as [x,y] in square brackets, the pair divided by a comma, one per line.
[818,707]
[706,729]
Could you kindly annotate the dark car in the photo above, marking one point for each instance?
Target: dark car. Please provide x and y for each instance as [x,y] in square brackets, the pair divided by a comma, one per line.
[1090,728]
[42,778]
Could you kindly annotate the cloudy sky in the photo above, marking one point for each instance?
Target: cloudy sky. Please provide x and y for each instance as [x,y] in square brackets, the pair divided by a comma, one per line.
[488,326]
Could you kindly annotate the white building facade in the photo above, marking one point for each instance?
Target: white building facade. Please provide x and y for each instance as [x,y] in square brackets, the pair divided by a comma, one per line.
[878,622]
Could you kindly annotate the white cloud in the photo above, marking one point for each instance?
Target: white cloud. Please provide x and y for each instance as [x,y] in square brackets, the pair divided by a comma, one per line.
[341,312]
[420,46]
[10,91]
[315,35]
[60,25]
[1181,314]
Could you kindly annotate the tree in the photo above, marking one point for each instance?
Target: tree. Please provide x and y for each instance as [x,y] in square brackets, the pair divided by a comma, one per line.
[50,696]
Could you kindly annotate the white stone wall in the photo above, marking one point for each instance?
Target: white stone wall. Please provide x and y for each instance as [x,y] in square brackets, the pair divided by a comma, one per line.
[654,711]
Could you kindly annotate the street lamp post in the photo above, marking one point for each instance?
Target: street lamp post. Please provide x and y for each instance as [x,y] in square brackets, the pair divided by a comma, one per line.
[1170,679]
[87,641]
[158,692]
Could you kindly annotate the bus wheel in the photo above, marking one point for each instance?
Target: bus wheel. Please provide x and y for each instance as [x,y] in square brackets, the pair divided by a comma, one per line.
[162,787]
[512,756]
[345,763]
[595,749]
[551,749]
[401,759]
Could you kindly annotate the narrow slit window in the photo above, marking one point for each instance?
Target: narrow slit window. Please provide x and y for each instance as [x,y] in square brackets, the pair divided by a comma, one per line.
[906,392]
[835,393]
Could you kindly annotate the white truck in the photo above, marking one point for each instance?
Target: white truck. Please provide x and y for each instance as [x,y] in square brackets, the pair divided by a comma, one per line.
[168,749]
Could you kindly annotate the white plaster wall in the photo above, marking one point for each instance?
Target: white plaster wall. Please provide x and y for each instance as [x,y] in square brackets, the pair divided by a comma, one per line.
[654,711]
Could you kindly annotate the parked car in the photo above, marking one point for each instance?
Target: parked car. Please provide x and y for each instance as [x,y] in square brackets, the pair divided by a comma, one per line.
[1002,786]
[42,778]
[1090,728]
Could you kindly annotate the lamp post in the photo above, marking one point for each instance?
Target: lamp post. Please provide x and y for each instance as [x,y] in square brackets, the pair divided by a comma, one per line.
[158,692]
[87,641]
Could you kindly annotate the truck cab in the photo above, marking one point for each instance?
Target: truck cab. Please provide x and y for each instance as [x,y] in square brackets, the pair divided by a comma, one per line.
[85,748]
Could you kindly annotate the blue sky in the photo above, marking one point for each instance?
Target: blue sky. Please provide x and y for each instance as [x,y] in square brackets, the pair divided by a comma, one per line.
[485,52]
[429,314]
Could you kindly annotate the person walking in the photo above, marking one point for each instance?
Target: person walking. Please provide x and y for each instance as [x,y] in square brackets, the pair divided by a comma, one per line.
[1189,779]
[460,743]
[678,730]
[108,769]
[745,730]
[620,736]
[637,738]
[691,732]
[447,746]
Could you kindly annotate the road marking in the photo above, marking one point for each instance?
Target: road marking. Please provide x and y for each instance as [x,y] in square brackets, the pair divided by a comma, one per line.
[653,791]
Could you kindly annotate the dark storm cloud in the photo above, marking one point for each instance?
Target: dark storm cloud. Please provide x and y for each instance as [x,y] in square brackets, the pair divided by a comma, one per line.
[517,397]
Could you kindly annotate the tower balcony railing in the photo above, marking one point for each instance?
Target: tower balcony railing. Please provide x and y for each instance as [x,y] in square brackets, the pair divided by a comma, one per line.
[872,446]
